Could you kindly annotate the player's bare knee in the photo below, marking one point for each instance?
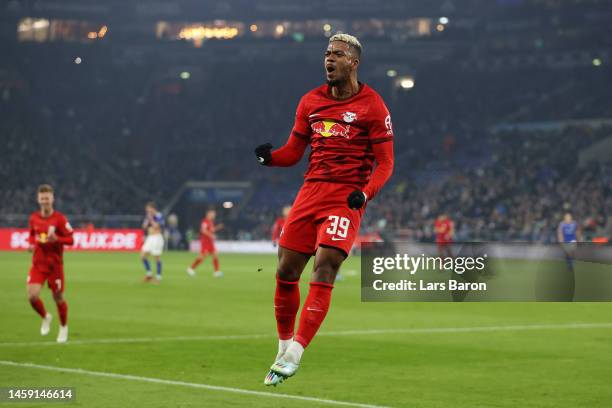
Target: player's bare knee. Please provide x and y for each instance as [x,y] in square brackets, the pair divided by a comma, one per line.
[58,297]
[33,293]
[325,272]
[327,264]
[33,296]
[287,272]
[290,264]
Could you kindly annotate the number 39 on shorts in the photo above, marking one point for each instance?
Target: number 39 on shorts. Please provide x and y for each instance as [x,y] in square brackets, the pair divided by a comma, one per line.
[339,226]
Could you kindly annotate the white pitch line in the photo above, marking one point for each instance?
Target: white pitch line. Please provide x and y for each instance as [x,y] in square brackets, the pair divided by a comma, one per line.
[359,332]
[187,384]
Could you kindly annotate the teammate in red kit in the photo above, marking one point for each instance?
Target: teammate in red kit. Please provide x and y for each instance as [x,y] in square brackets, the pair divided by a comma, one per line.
[444,229]
[49,232]
[348,128]
[277,228]
[208,229]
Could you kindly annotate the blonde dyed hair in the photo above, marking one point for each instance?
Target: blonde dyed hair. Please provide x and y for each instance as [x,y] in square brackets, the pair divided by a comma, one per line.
[349,39]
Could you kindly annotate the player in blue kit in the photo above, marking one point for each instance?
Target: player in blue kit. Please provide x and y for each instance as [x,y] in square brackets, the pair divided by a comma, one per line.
[153,225]
[568,235]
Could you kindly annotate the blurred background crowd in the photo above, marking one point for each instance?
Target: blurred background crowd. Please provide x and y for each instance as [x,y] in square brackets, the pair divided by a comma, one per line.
[501,110]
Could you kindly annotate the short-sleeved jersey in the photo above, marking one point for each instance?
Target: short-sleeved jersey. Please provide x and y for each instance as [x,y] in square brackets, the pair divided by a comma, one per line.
[444,231]
[569,231]
[341,133]
[206,225]
[49,253]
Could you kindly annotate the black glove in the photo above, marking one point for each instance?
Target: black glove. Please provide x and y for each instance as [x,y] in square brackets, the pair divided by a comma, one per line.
[264,153]
[356,199]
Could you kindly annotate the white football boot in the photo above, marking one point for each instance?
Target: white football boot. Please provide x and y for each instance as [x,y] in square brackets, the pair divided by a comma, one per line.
[45,326]
[62,336]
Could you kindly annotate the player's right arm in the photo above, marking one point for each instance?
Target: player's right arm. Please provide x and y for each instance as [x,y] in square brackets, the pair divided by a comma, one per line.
[32,237]
[293,151]
[559,234]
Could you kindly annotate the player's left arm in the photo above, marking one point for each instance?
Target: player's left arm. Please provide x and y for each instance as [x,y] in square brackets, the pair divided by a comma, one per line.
[381,139]
[206,231]
[64,232]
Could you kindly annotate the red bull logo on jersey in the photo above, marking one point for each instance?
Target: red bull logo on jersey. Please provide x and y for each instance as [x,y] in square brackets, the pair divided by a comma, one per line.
[327,128]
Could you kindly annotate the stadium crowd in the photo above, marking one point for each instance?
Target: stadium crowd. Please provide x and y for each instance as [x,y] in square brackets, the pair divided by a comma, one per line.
[131,132]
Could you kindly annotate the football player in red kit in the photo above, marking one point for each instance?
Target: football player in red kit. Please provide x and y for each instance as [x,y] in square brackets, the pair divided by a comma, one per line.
[444,229]
[277,228]
[348,128]
[49,232]
[208,229]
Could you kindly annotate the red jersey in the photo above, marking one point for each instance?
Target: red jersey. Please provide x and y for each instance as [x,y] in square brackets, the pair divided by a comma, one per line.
[206,225]
[342,135]
[49,253]
[443,230]
[277,228]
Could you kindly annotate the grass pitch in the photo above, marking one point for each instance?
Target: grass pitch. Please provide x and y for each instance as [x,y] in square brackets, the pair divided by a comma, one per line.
[201,333]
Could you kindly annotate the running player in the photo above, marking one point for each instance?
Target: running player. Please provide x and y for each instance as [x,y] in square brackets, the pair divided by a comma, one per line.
[277,228]
[568,234]
[49,232]
[154,242]
[348,127]
[208,229]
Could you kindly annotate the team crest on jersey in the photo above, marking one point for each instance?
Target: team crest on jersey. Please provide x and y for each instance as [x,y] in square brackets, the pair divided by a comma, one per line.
[327,128]
[349,116]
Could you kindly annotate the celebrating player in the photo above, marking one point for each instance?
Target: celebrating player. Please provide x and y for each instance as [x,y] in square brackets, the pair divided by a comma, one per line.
[154,242]
[277,228]
[208,230]
[348,128]
[444,229]
[49,232]
[568,234]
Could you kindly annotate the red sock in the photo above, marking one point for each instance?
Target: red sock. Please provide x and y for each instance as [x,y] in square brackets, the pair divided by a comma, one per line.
[62,309]
[314,311]
[196,263]
[39,306]
[286,305]
[216,263]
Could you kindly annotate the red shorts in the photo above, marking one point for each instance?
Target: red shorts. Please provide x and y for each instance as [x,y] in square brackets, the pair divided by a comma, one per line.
[53,274]
[320,216]
[207,246]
